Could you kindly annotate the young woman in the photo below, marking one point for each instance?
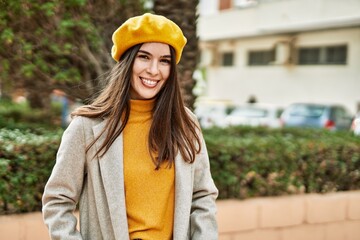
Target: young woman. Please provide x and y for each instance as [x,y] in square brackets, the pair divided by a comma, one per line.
[134,160]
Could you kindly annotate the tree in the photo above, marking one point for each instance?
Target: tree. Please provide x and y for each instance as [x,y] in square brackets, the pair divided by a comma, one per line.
[58,44]
[183,12]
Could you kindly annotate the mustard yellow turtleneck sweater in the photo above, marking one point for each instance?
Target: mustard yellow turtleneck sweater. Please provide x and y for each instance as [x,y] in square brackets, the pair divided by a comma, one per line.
[149,193]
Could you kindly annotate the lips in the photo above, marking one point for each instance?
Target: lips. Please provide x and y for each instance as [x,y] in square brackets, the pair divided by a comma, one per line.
[148,82]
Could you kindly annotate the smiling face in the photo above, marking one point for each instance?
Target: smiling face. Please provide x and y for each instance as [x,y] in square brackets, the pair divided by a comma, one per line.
[150,71]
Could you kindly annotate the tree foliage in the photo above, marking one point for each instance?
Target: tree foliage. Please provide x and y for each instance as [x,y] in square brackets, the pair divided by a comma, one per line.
[58,44]
[46,45]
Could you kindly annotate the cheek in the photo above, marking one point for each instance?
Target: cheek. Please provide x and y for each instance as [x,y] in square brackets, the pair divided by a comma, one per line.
[136,71]
[137,67]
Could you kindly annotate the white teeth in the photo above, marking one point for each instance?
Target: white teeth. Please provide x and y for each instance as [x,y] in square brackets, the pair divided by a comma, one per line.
[149,82]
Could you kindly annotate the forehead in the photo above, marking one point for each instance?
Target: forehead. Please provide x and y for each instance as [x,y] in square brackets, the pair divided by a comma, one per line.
[156,48]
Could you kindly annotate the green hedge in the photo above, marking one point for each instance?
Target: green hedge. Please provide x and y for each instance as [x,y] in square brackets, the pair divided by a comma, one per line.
[252,162]
[245,162]
[26,161]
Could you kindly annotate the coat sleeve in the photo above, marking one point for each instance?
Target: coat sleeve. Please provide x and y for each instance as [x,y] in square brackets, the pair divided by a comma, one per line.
[203,209]
[64,186]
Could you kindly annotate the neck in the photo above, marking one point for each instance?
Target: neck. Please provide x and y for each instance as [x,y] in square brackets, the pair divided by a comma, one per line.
[142,105]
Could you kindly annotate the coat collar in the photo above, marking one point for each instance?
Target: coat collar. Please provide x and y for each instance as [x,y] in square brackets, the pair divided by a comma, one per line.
[111,166]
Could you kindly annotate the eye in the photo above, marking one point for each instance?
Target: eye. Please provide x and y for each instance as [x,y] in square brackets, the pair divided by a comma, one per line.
[143,56]
[165,60]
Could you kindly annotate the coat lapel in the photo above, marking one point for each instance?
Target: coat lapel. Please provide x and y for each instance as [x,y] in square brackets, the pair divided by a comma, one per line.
[183,197]
[111,167]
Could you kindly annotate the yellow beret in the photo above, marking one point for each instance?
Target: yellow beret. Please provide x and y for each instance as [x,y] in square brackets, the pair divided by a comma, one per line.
[147,28]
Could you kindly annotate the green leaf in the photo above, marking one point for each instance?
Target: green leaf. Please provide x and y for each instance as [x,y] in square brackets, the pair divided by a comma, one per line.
[28,70]
[48,8]
[7,36]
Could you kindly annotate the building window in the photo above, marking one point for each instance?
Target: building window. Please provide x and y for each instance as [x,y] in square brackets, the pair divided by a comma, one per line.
[326,55]
[261,58]
[228,59]
[308,56]
[336,55]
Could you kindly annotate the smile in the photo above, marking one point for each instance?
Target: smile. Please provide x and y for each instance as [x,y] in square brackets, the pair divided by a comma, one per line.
[149,82]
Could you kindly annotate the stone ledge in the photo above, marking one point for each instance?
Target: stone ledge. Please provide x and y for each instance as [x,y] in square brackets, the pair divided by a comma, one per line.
[353,210]
[326,208]
[287,211]
[271,218]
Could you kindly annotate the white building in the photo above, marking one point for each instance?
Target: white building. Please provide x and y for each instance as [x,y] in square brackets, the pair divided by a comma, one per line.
[281,51]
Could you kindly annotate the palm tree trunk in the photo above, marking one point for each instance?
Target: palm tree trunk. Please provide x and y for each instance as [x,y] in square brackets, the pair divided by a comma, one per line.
[183,13]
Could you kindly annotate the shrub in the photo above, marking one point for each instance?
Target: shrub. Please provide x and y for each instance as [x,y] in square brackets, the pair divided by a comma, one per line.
[26,161]
[251,162]
[245,162]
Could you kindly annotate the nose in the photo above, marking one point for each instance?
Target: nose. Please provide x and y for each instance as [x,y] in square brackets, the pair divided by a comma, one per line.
[153,67]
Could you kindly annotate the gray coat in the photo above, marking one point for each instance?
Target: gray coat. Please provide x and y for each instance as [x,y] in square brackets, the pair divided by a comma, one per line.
[97,184]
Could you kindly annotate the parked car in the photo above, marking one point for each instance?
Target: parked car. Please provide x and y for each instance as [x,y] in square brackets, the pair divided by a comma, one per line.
[213,113]
[355,126]
[266,115]
[329,116]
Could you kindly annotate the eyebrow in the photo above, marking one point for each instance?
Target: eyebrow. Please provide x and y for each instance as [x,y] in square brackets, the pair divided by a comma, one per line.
[146,52]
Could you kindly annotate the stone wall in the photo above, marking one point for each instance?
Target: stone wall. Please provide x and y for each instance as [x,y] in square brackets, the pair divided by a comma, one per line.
[334,216]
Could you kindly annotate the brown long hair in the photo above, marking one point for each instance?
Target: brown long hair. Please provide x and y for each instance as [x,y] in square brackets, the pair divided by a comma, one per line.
[172,130]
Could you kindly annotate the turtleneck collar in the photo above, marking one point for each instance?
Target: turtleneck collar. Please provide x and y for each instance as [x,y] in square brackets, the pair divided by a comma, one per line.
[142,105]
